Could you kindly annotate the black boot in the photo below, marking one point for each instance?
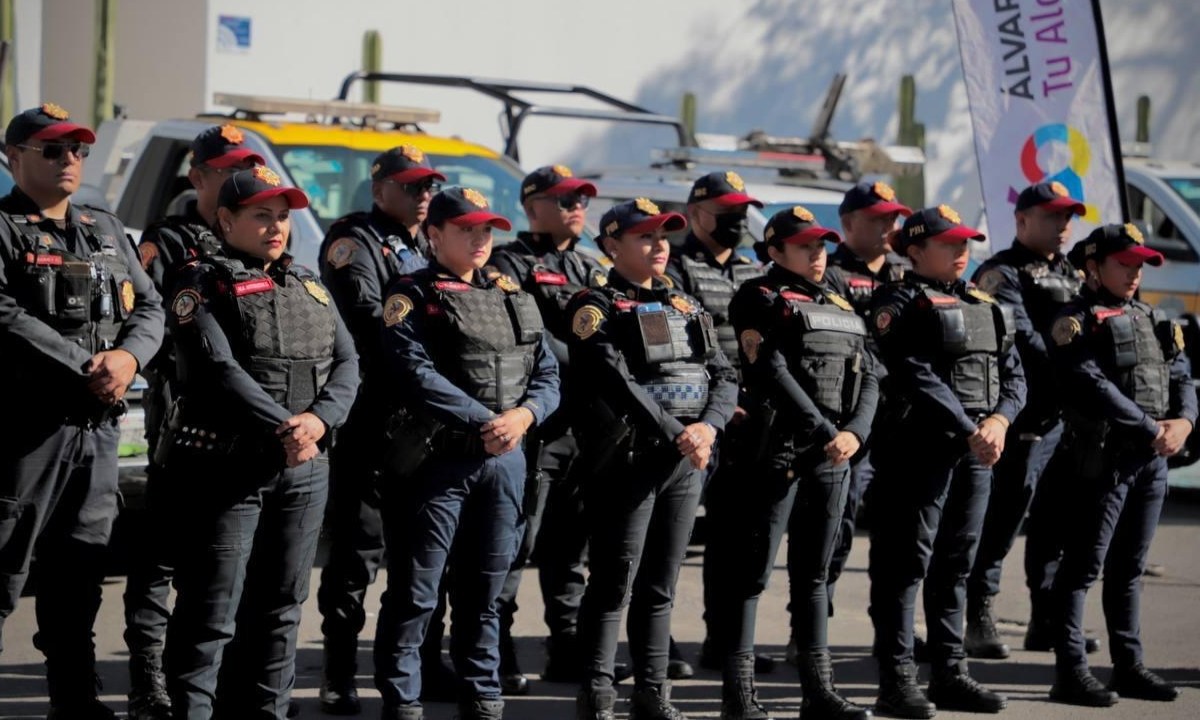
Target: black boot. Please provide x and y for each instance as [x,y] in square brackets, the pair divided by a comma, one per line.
[739,699]
[148,698]
[710,659]
[74,689]
[899,694]
[595,704]
[821,700]
[982,639]
[481,709]
[339,695]
[653,704]
[953,688]
[1135,681]
[512,680]
[1040,634]
[677,667]
[1080,687]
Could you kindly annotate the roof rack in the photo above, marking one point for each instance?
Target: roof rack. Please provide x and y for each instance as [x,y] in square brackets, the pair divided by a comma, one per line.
[255,106]
[517,109]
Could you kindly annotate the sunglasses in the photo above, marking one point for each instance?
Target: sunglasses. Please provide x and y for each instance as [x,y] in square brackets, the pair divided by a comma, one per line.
[568,201]
[55,150]
[417,189]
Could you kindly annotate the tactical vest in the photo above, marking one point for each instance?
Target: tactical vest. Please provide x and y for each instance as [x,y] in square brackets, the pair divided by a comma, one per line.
[972,334]
[860,287]
[1138,348]
[195,240]
[285,330]
[551,288]
[86,299]
[667,349]
[715,291]
[1046,293]
[825,349]
[492,347]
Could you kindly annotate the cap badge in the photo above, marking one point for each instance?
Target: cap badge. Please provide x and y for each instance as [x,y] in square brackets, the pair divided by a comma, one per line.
[58,112]
[646,206]
[1059,189]
[802,213]
[412,153]
[474,197]
[562,171]
[266,175]
[735,181]
[232,134]
[884,191]
[948,213]
[1134,234]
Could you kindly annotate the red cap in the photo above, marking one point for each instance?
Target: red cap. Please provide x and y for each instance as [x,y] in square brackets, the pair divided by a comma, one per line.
[464,207]
[250,187]
[1138,254]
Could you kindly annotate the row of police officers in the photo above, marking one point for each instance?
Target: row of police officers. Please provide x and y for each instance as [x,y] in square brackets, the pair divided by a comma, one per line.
[468,410]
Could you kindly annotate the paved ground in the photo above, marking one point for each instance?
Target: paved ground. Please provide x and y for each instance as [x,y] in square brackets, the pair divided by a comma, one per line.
[1171,631]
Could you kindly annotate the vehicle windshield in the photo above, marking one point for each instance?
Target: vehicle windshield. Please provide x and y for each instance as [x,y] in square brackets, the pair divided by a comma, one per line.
[1189,190]
[338,180]
[6,181]
[826,214]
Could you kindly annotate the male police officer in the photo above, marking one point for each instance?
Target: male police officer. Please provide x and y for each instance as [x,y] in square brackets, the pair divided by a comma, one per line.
[165,247]
[1034,279]
[363,254]
[861,263]
[78,317]
[545,264]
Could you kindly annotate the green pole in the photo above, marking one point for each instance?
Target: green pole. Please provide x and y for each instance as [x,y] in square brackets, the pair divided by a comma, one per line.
[106,25]
[372,60]
[7,82]
[910,188]
[687,114]
[1143,118]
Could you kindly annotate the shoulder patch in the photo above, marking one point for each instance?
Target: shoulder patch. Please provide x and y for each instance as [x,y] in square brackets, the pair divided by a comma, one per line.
[883,319]
[184,306]
[750,340]
[990,280]
[1066,329]
[396,308]
[148,252]
[586,321]
[341,252]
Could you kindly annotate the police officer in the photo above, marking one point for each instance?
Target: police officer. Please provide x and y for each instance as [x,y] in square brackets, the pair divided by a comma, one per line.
[363,254]
[544,262]
[1035,281]
[472,374]
[810,383]
[955,386]
[1129,405]
[858,267]
[266,371]
[165,247]
[708,268]
[78,318]
[653,390]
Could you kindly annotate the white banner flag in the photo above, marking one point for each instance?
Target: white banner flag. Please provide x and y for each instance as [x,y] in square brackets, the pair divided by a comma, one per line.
[1039,95]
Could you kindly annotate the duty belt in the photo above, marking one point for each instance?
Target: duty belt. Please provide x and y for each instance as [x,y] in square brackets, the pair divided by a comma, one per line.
[462,443]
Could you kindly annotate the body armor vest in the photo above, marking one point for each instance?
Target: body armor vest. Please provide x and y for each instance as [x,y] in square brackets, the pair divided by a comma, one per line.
[972,334]
[194,240]
[715,291]
[285,332]
[825,348]
[85,298]
[667,349]
[860,286]
[551,288]
[1046,293]
[1137,349]
[492,347]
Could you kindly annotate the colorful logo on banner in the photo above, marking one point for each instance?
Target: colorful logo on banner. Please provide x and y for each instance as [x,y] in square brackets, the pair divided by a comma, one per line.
[1068,155]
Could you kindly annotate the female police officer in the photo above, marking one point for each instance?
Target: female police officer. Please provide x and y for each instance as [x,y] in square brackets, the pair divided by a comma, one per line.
[813,389]
[266,370]
[653,391]
[1129,405]
[958,385]
[473,374]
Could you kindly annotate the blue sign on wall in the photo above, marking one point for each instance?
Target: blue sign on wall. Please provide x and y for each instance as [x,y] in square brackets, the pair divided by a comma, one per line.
[233,33]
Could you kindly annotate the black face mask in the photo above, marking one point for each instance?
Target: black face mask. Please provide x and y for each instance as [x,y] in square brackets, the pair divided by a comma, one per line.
[729,230]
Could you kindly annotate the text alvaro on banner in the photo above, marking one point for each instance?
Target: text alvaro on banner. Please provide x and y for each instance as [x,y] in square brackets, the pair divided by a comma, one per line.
[1039,96]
